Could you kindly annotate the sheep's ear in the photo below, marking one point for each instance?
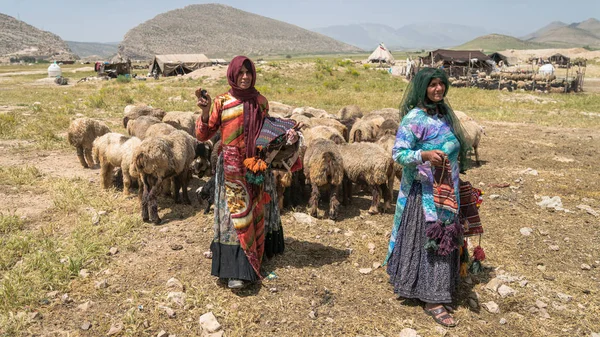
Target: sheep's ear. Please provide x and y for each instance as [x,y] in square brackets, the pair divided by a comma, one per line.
[201,150]
[125,121]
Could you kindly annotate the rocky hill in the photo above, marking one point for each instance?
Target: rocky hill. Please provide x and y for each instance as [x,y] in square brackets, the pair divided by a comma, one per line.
[220,30]
[99,50]
[495,42]
[19,40]
[578,34]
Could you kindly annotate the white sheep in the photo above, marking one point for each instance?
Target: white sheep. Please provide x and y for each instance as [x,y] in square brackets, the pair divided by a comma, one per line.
[138,127]
[472,130]
[114,150]
[133,111]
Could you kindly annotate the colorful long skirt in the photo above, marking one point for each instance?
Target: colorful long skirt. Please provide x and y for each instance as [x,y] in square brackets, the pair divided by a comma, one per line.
[230,260]
[414,271]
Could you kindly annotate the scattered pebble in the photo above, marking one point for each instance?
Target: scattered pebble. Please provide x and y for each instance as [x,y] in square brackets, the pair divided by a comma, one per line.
[494,196]
[530,171]
[336,230]
[588,209]
[174,283]
[526,231]
[312,314]
[554,247]
[376,265]
[162,333]
[66,299]
[502,321]
[34,316]
[83,273]
[506,291]
[441,331]
[585,266]
[408,332]
[544,314]
[113,251]
[84,306]
[329,320]
[176,297]
[273,290]
[176,246]
[86,325]
[564,297]
[303,218]
[543,232]
[523,283]
[115,329]
[209,323]
[371,247]
[170,312]
[101,284]
[208,254]
[365,270]
[52,294]
[540,305]
[491,307]
[493,284]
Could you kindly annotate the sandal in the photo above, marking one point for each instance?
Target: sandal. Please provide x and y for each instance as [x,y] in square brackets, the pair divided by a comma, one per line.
[440,314]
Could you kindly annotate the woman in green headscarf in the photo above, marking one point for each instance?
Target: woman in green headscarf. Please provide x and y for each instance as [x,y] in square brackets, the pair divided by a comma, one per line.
[423,259]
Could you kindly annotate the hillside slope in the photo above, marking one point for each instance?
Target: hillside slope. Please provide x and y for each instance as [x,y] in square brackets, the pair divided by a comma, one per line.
[495,42]
[19,39]
[220,30]
[85,49]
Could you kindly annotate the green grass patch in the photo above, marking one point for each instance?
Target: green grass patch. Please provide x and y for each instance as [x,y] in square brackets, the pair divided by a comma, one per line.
[19,175]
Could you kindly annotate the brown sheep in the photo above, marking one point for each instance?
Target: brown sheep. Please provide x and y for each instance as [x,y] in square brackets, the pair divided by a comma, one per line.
[349,112]
[388,127]
[160,158]
[324,168]
[370,164]
[181,120]
[114,150]
[138,127]
[333,123]
[366,129]
[81,134]
[323,132]
[283,179]
[133,111]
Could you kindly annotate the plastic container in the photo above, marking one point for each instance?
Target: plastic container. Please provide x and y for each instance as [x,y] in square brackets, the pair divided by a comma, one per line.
[54,70]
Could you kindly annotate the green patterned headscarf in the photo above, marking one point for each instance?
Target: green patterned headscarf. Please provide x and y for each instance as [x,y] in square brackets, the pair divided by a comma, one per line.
[415,96]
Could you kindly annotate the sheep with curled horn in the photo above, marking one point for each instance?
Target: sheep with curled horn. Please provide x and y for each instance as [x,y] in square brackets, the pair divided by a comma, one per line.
[114,150]
[138,127]
[324,170]
[160,158]
[370,164]
[133,111]
[81,134]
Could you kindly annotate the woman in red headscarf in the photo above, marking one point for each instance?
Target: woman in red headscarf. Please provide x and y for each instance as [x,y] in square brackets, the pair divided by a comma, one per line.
[247,221]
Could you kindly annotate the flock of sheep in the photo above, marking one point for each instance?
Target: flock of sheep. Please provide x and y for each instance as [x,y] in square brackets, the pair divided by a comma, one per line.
[161,153]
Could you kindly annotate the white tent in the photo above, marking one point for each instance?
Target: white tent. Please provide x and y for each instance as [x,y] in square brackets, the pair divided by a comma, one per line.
[546,69]
[381,55]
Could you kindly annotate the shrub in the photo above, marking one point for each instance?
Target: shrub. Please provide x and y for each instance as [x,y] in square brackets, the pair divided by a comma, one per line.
[123,78]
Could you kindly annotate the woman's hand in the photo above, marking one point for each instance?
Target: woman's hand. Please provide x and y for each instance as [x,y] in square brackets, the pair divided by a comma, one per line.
[203,103]
[435,157]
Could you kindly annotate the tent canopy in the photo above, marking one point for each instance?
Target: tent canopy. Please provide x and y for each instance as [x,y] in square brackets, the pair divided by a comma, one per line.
[174,64]
[497,57]
[381,55]
[461,58]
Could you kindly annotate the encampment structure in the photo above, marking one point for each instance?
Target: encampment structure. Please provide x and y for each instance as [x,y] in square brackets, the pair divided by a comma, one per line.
[381,55]
[178,64]
[497,57]
[559,59]
[458,62]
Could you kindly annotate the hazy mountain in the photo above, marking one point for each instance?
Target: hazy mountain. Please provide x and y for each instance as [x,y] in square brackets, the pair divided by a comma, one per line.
[419,35]
[496,42]
[102,50]
[220,30]
[559,34]
[19,39]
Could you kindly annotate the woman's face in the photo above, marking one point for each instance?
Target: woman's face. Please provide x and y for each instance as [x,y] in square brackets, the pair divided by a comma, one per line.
[244,78]
[435,90]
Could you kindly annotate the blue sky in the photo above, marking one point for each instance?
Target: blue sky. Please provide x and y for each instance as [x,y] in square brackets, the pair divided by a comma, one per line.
[109,20]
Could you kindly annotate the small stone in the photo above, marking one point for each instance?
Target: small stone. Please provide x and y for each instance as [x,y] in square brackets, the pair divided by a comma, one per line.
[548,277]
[65,298]
[312,314]
[162,333]
[101,284]
[376,265]
[589,210]
[349,233]
[559,307]
[209,323]
[164,229]
[170,312]
[441,331]
[541,267]
[34,316]
[273,290]
[523,283]
[526,231]
[303,218]
[86,325]
[365,270]
[491,307]
[208,254]
[84,273]
[544,314]
[174,283]
[505,291]
[502,321]
[176,246]
[543,232]
[493,284]
[494,196]
[336,230]
[146,324]
[585,266]
[540,305]
[115,329]
[371,247]
[564,297]
[408,332]
[176,297]
[84,306]
[113,251]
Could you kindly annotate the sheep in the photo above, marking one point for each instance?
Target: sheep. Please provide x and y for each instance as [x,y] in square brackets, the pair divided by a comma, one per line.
[343,130]
[159,158]
[324,168]
[387,143]
[181,120]
[369,164]
[280,108]
[472,130]
[312,112]
[323,132]
[301,119]
[366,129]
[114,150]
[349,112]
[388,127]
[206,194]
[81,135]
[159,129]
[133,111]
[283,179]
[138,127]
[386,113]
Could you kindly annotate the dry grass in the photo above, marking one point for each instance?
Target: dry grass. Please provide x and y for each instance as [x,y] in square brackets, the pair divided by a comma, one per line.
[46,250]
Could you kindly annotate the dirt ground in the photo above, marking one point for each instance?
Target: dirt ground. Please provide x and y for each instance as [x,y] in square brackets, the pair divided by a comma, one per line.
[319,290]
